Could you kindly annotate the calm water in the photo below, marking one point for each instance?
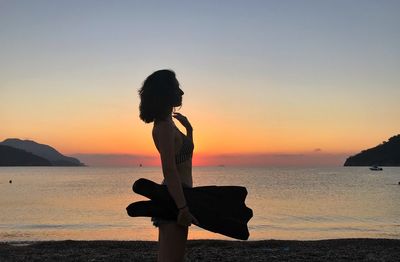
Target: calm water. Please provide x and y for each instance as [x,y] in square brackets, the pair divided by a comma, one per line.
[47,203]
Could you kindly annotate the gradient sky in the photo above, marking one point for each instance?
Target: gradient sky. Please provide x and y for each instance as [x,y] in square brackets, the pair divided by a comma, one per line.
[270,78]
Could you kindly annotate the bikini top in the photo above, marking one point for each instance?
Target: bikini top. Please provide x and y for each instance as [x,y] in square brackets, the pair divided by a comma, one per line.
[186,151]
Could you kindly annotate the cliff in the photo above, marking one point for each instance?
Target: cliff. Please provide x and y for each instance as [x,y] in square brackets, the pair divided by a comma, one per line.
[385,154]
[10,156]
[43,151]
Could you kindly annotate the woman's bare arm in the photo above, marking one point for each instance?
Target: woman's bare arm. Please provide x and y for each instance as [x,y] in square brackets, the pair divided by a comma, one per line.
[185,122]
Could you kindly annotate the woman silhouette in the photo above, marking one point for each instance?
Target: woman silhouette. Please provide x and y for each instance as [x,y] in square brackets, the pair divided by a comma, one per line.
[159,96]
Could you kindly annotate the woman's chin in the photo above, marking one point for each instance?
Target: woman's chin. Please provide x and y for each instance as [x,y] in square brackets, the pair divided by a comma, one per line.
[178,104]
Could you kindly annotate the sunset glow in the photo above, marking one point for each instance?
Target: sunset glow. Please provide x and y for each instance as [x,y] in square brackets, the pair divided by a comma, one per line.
[262,80]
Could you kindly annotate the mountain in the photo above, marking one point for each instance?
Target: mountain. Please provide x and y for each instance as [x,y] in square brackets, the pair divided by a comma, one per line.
[10,156]
[44,151]
[385,154]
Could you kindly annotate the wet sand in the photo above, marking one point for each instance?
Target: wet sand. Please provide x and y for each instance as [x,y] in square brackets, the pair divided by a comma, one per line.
[206,250]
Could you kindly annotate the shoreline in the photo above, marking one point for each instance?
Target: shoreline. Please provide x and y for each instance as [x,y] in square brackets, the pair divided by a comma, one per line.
[347,249]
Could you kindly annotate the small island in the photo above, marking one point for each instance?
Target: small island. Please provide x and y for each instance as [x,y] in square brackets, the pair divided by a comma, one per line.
[385,154]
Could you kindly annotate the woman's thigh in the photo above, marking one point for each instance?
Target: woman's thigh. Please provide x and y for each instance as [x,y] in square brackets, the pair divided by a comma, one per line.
[172,242]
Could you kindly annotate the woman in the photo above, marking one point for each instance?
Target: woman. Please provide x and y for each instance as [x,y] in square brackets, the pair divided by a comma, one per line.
[159,96]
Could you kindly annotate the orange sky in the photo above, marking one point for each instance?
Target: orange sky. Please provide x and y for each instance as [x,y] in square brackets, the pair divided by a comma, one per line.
[262,79]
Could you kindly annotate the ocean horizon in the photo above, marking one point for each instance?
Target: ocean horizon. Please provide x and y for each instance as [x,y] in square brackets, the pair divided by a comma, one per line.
[88,203]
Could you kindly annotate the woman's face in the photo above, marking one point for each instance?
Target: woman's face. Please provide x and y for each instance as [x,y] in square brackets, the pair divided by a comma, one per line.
[178,96]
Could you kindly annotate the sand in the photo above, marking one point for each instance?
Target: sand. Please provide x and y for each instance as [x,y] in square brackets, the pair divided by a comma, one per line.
[206,250]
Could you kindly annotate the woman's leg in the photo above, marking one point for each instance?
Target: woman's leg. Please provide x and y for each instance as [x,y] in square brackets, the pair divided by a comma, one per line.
[172,240]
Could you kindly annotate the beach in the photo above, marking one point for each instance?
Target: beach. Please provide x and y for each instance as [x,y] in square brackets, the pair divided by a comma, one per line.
[357,249]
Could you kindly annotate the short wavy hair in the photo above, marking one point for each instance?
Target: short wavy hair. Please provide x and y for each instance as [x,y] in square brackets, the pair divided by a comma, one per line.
[158,96]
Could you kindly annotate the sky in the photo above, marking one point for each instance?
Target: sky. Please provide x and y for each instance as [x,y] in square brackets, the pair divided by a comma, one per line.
[265,82]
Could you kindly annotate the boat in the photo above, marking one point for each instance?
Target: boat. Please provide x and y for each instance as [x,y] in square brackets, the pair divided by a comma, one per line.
[375,168]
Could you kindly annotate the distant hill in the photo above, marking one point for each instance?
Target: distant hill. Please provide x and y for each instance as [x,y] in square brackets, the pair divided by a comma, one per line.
[44,151]
[10,156]
[385,154]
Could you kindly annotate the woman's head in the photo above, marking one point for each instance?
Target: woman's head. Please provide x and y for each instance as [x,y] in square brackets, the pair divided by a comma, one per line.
[159,94]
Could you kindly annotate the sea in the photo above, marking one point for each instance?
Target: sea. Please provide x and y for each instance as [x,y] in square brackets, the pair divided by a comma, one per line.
[88,203]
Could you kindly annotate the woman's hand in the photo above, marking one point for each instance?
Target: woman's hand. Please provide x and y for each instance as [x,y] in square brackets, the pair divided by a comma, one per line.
[183,120]
[185,218]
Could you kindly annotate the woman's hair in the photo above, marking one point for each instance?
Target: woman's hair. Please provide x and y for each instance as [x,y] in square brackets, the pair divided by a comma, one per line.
[158,96]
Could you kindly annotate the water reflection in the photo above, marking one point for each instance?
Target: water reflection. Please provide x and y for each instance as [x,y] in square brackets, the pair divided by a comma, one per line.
[288,203]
